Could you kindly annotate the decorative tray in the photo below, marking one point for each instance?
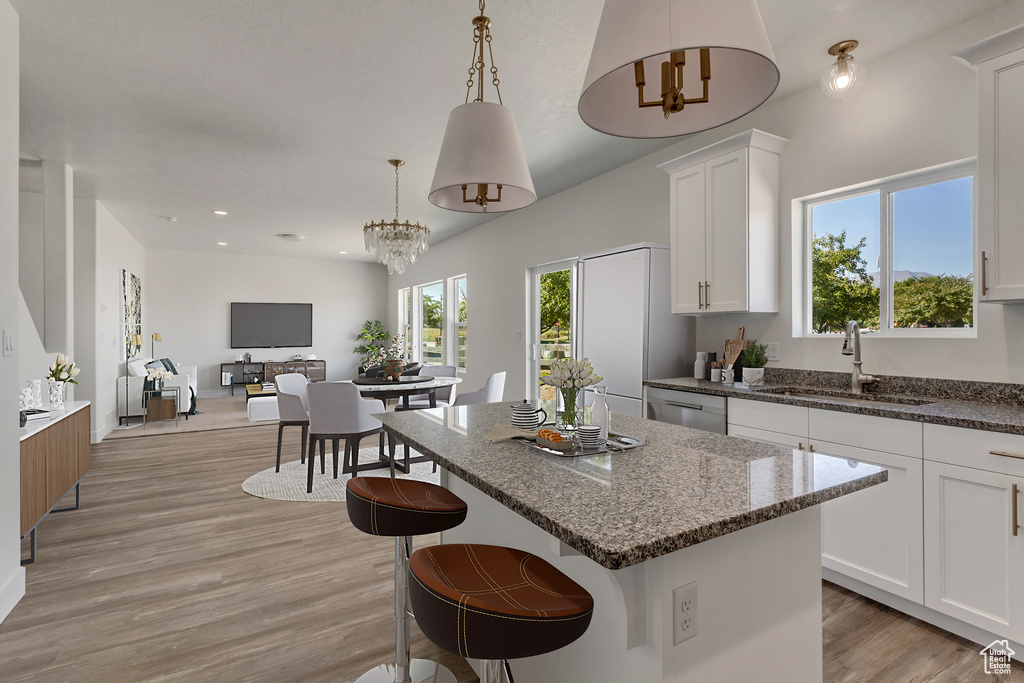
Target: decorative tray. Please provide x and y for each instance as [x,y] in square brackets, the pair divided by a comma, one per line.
[616,443]
[385,382]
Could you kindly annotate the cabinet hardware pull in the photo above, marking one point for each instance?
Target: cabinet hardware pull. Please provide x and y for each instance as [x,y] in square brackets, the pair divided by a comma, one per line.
[707,295]
[811,448]
[800,445]
[700,297]
[984,274]
[1006,455]
[1015,492]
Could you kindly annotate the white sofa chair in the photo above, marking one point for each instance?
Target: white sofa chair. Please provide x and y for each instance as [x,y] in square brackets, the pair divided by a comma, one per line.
[187,378]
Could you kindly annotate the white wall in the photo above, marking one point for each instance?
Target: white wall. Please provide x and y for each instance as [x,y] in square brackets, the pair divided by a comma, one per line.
[115,250]
[12,575]
[918,109]
[188,296]
[30,255]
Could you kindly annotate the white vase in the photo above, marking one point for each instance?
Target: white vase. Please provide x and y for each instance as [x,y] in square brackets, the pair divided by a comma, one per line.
[753,377]
[57,395]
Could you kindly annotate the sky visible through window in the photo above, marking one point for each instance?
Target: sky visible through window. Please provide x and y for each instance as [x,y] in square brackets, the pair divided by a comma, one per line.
[932,231]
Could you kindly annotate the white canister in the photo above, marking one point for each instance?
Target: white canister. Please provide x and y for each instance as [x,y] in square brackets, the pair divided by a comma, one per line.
[716,374]
[700,364]
[728,376]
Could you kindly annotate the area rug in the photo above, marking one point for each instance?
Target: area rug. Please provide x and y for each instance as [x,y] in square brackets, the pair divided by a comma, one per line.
[219,412]
[290,482]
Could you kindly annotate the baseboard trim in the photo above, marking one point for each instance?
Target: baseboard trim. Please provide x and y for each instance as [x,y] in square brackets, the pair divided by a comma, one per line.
[947,623]
[13,591]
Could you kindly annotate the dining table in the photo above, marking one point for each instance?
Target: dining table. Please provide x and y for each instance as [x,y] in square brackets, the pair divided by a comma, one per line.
[403,389]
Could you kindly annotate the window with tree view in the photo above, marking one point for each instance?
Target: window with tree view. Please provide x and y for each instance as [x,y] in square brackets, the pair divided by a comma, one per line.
[432,316]
[895,256]
[460,321]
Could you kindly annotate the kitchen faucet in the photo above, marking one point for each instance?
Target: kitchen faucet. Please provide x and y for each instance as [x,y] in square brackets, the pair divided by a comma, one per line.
[853,349]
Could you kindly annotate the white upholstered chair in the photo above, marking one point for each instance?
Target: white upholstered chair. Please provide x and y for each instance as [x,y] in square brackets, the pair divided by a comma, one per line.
[492,392]
[337,411]
[292,408]
[445,396]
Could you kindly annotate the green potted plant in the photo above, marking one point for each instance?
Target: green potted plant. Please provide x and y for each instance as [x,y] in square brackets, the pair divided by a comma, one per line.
[754,360]
[373,343]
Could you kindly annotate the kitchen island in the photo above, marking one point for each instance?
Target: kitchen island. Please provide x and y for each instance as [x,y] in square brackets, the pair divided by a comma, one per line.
[735,523]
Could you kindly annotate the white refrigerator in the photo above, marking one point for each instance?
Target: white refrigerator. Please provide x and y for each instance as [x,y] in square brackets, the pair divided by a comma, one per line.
[627,329]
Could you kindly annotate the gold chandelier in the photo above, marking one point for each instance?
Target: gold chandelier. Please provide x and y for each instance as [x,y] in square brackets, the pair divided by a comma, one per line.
[396,244]
[672,100]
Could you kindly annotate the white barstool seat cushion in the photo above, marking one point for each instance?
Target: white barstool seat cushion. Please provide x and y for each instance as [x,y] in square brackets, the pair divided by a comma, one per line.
[262,409]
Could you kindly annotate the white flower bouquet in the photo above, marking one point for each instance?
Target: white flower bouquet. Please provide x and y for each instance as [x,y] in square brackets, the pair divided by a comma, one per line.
[63,370]
[158,377]
[569,376]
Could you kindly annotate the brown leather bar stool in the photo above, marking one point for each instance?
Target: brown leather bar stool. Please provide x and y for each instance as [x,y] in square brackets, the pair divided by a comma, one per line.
[494,603]
[403,508]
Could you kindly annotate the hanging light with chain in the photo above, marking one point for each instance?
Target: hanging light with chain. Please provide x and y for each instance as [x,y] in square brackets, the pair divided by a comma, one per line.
[482,167]
[396,244]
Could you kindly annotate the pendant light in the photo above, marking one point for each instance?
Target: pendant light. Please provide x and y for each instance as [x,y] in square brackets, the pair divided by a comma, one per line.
[845,76]
[662,68]
[396,244]
[482,167]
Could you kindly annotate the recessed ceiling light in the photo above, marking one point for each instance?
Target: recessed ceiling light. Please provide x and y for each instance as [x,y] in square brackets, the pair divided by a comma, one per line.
[291,237]
[221,213]
[342,252]
[222,244]
[169,219]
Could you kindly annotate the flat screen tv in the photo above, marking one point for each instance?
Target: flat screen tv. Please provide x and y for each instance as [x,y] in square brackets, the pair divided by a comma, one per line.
[271,326]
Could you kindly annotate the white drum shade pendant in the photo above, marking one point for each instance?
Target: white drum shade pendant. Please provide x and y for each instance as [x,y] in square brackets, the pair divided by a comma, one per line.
[662,68]
[482,167]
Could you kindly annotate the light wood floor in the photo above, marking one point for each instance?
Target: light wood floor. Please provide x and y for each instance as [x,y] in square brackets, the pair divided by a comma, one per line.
[171,573]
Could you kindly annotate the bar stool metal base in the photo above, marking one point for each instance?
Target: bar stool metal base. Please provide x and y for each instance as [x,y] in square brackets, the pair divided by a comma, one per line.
[420,670]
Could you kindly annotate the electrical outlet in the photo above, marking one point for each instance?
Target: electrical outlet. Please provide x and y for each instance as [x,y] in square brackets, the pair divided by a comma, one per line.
[684,612]
[519,335]
[8,343]
[773,350]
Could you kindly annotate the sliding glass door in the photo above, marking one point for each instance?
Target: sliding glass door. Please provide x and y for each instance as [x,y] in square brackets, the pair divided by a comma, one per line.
[551,333]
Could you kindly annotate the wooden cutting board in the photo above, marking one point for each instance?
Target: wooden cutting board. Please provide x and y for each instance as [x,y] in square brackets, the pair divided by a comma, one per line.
[733,347]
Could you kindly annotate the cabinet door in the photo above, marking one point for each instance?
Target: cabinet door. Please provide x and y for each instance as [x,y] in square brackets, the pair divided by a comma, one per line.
[875,535]
[766,436]
[1001,176]
[726,255]
[687,239]
[974,565]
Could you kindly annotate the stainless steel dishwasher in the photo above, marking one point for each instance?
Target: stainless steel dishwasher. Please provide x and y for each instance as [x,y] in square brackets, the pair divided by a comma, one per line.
[687,409]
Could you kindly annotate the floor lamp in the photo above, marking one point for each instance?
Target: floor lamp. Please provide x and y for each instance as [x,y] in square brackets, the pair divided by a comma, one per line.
[134,341]
[152,344]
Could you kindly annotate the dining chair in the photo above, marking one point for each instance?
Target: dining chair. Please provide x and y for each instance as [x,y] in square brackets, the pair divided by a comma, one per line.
[492,392]
[292,409]
[336,412]
[443,395]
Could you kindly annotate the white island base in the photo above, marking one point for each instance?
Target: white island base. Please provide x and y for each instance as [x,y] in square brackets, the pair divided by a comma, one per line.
[758,603]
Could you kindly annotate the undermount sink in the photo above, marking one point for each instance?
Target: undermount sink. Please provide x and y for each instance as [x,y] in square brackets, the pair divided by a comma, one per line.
[844,396]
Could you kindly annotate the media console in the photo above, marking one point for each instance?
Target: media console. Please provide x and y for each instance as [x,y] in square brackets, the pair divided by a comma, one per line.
[254,373]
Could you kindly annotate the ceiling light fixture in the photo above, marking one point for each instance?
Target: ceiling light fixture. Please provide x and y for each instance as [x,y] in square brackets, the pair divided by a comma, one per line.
[169,219]
[845,76]
[342,252]
[713,57]
[221,213]
[222,244]
[482,167]
[290,236]
[396,244]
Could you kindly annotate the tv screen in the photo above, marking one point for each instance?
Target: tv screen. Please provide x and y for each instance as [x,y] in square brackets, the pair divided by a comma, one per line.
[269,326]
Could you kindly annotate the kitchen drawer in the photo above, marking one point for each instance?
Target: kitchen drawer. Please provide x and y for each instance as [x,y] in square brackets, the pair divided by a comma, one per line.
[774,417]
[767,436]
[973,448]
[902,437]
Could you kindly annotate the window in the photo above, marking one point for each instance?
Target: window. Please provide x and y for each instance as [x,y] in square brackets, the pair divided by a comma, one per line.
[459,297]
[897,256]
[431,315]
[405,321]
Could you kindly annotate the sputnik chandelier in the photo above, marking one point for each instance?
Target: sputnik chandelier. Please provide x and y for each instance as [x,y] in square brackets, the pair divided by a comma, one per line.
[396,244]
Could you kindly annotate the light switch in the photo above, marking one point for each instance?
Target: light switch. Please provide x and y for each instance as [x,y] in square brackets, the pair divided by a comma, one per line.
[519,335]
[8,343]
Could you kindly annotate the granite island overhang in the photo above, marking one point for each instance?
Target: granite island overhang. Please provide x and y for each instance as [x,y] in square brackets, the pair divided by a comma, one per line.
[741,519]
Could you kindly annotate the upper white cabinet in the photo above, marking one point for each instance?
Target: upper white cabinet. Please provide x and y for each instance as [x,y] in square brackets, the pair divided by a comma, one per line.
[724,226]
[999,62]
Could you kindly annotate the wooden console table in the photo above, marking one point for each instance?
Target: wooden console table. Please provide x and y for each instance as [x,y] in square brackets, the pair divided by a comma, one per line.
[55,455]
[255,373]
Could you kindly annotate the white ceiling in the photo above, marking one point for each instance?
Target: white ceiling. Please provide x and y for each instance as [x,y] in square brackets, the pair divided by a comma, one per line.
[284,112]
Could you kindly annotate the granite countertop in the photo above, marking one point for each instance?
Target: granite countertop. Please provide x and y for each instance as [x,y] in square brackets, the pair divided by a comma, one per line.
[684,487]
[998,413]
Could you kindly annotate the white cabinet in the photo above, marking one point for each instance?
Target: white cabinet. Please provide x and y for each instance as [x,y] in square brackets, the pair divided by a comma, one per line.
[724,226]
[974,564]
[1000,179]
